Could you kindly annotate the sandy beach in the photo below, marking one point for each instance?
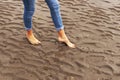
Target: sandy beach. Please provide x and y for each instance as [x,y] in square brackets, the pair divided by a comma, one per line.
[93,25]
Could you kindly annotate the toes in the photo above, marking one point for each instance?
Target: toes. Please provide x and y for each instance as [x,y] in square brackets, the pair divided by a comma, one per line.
[33,41]
[38,42]
[66,41]
[71,45]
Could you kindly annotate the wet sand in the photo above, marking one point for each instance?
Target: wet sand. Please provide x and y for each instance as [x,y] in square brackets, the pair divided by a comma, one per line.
[93,25]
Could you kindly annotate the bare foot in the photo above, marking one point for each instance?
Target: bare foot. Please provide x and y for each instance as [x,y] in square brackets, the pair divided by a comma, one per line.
[66,41]
[31,38]
[63,38]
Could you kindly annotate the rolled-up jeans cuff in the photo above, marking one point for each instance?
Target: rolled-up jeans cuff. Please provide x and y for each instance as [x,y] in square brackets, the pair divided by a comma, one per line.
[58,29]
[28,29]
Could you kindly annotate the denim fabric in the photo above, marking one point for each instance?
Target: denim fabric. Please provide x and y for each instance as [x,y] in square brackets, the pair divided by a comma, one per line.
[29,8]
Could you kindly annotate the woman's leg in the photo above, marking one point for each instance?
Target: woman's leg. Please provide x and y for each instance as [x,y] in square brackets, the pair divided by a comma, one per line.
[29,8]
[57,19]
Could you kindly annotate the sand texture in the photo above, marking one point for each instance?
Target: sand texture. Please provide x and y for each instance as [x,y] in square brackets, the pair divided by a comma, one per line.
[93,25]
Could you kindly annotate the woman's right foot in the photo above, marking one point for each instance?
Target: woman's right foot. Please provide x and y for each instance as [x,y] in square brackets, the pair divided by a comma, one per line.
[31,38]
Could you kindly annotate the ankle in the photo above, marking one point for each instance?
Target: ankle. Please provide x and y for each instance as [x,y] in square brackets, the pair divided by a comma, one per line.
[61,33]
[29,32]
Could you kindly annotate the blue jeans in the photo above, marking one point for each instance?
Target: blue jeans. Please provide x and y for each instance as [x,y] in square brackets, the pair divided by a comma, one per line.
[29,8]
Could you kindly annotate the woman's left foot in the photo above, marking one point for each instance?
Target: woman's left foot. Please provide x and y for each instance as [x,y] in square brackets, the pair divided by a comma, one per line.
[66,41]
[63,38]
